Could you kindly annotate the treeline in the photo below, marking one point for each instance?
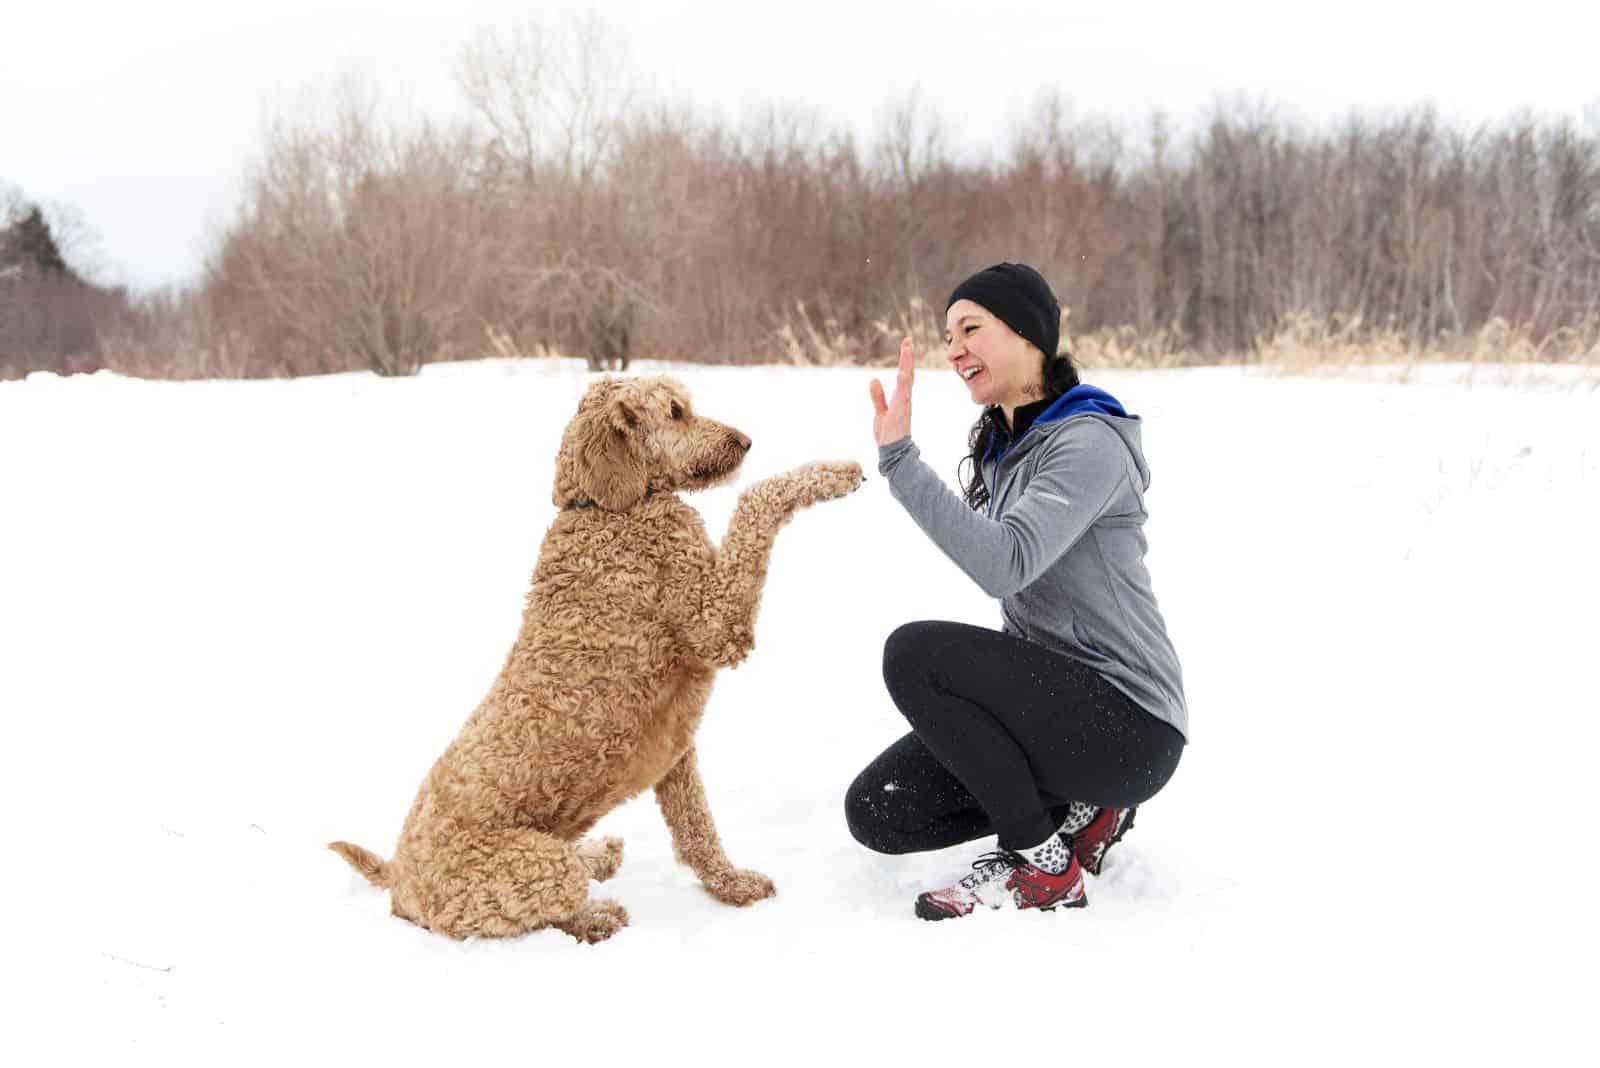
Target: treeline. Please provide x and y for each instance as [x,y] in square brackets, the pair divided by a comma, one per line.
[51,319]
[570,215]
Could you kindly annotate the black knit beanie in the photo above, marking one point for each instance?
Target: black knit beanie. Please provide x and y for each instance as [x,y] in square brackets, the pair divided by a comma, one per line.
[1017,295]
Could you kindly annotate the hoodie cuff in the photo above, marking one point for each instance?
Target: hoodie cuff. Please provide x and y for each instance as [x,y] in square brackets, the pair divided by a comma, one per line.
[895,453]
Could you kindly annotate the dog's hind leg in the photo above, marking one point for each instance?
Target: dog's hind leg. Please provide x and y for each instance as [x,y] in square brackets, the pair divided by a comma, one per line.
[506,882]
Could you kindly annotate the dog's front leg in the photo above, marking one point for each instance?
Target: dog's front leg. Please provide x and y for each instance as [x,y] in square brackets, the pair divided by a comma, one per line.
[720,622]
[682,798]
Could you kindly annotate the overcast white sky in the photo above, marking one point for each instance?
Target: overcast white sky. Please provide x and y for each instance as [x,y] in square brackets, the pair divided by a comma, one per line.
[144,115]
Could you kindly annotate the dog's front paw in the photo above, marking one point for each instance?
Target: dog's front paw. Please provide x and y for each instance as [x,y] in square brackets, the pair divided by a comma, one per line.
[596,921]
[740,887]
[825,480]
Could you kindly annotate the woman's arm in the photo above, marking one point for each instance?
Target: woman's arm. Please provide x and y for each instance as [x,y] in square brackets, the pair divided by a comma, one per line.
[1079,470]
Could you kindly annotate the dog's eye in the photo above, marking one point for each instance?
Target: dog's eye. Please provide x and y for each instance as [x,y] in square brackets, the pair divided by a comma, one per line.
[677,410]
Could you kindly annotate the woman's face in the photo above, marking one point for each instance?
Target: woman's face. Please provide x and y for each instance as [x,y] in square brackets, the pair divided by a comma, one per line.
[998,365]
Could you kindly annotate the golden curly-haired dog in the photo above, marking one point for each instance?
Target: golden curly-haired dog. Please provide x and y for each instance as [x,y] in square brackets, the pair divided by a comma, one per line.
[632,610]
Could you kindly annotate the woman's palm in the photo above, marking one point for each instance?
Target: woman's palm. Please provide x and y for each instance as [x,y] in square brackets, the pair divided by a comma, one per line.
[891,421]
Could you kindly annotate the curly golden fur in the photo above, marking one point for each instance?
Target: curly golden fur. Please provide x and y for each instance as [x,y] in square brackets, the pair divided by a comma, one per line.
[631,612]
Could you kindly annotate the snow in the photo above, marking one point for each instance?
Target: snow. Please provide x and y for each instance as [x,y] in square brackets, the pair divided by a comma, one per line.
[239,620]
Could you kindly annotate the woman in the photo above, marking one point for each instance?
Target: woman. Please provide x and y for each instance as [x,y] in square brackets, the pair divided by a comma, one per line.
[1050,731]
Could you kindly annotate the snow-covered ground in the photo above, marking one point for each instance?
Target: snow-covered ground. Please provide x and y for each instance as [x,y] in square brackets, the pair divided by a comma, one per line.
[238,620]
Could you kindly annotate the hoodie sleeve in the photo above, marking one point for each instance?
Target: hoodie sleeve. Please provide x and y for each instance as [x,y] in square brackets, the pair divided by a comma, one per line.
[1078,472]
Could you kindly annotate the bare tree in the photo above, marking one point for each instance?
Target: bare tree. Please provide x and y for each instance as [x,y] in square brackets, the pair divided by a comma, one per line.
[553,94]
[571,217]
[359,243]
[551,89]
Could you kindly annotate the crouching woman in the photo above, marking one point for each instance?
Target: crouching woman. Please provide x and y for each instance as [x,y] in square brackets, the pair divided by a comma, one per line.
[1050,731]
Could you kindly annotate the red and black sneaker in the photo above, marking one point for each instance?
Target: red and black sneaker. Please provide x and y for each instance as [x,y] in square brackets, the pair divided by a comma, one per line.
[1004,878]
[1034,888]
[1091,844]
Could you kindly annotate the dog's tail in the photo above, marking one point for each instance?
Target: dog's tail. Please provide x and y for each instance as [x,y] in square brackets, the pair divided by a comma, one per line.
[372,867]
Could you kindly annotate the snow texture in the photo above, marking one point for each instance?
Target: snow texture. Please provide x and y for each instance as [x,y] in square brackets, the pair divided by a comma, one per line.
[238,620]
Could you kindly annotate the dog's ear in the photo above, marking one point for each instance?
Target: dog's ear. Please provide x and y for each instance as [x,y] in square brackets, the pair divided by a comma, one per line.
[598,459]
[621,414]
[609,469]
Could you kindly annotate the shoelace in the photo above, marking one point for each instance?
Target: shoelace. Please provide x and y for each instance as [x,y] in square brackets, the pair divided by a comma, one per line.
[985,867]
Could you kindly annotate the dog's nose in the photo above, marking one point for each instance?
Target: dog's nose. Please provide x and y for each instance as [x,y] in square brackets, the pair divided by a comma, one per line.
[744,442]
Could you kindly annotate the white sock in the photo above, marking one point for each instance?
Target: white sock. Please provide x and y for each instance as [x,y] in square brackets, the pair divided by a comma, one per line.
[1079,815]
[1050,855]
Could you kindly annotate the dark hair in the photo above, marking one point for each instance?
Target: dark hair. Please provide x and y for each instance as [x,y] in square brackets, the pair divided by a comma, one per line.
[1060,375]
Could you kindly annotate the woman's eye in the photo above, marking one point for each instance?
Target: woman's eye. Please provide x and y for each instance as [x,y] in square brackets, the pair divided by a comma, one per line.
[972,327]
[677,410]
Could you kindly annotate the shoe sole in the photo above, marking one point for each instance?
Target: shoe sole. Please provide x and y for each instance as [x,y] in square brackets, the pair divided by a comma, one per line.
[928,911]
[1080,903]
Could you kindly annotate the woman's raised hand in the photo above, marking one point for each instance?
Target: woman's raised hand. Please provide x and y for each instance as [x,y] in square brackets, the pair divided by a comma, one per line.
[892,421]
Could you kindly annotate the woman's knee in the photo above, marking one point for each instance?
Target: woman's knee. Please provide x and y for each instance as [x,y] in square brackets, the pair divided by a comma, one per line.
[908,657]
[867,815]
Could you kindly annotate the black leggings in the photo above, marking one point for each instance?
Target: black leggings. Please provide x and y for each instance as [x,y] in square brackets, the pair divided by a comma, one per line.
[1005,734]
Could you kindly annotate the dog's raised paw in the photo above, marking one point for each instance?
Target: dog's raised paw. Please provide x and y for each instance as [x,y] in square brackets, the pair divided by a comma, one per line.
[825,480]
[844,476]
[740,887]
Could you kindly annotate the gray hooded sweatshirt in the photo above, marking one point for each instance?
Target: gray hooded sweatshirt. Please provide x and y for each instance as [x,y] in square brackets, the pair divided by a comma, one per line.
[1061,543]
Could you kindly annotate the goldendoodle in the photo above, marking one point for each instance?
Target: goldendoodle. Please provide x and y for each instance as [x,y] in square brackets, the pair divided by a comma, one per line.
[632,610]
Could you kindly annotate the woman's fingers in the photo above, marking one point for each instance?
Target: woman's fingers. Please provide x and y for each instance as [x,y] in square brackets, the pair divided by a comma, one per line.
[908,371]
[891,420]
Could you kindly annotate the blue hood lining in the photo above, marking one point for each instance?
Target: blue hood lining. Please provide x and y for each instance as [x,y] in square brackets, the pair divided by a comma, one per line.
[1078,400]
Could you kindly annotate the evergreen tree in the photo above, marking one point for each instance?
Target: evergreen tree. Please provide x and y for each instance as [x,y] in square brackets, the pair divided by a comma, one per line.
[31,240]
[9,258]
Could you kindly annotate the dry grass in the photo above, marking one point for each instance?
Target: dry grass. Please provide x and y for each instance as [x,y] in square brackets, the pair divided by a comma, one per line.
[502,345]
[805,339]
[187,348]
[182,358]
[1303,344]
[821,340]
[1123,348]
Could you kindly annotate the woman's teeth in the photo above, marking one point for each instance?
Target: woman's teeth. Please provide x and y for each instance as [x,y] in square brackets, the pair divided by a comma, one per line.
[970,373]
